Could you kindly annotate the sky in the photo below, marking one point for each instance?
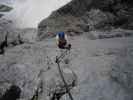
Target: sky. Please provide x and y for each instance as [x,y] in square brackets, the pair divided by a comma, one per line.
[28,13]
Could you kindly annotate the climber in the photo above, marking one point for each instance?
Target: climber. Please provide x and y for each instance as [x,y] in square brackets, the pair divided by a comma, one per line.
[62,41]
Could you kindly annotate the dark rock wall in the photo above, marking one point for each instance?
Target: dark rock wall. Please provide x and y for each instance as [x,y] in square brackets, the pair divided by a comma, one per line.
[73,18]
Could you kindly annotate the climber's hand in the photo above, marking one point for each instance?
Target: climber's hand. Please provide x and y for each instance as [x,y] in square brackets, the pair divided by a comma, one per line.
[69,47]
[56,60]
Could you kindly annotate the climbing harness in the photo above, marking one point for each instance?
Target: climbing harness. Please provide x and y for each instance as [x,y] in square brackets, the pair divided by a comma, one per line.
[58,60]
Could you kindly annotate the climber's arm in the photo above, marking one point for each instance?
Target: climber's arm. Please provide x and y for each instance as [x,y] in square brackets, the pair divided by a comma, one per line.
[57,39]
[66,38]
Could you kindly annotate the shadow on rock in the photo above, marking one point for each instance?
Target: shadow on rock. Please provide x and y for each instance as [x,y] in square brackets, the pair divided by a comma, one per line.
[12,94]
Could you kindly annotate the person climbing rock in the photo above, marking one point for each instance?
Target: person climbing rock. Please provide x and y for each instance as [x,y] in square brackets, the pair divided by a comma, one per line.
[63,45]
[62,41]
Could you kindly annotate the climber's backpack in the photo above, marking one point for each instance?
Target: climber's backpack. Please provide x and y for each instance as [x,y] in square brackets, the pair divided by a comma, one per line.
[62,40]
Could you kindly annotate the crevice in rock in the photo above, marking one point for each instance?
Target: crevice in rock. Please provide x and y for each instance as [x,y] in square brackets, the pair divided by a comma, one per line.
[3,45]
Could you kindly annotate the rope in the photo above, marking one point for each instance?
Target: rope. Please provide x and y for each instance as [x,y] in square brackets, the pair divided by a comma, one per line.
[61,74]
[58,59]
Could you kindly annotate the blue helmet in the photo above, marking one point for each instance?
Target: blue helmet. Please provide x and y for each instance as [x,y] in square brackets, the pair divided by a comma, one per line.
[61,35]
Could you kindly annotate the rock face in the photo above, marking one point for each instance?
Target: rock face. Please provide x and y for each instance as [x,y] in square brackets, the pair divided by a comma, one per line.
[16,69]
[9,37]
[114,33]
[98,69]
[15,36]
[122,69]
[83,15]
[31,70]
[10,34]
[28,35]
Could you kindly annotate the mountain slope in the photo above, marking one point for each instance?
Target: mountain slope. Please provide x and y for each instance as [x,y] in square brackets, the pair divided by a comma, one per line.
[80,16]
